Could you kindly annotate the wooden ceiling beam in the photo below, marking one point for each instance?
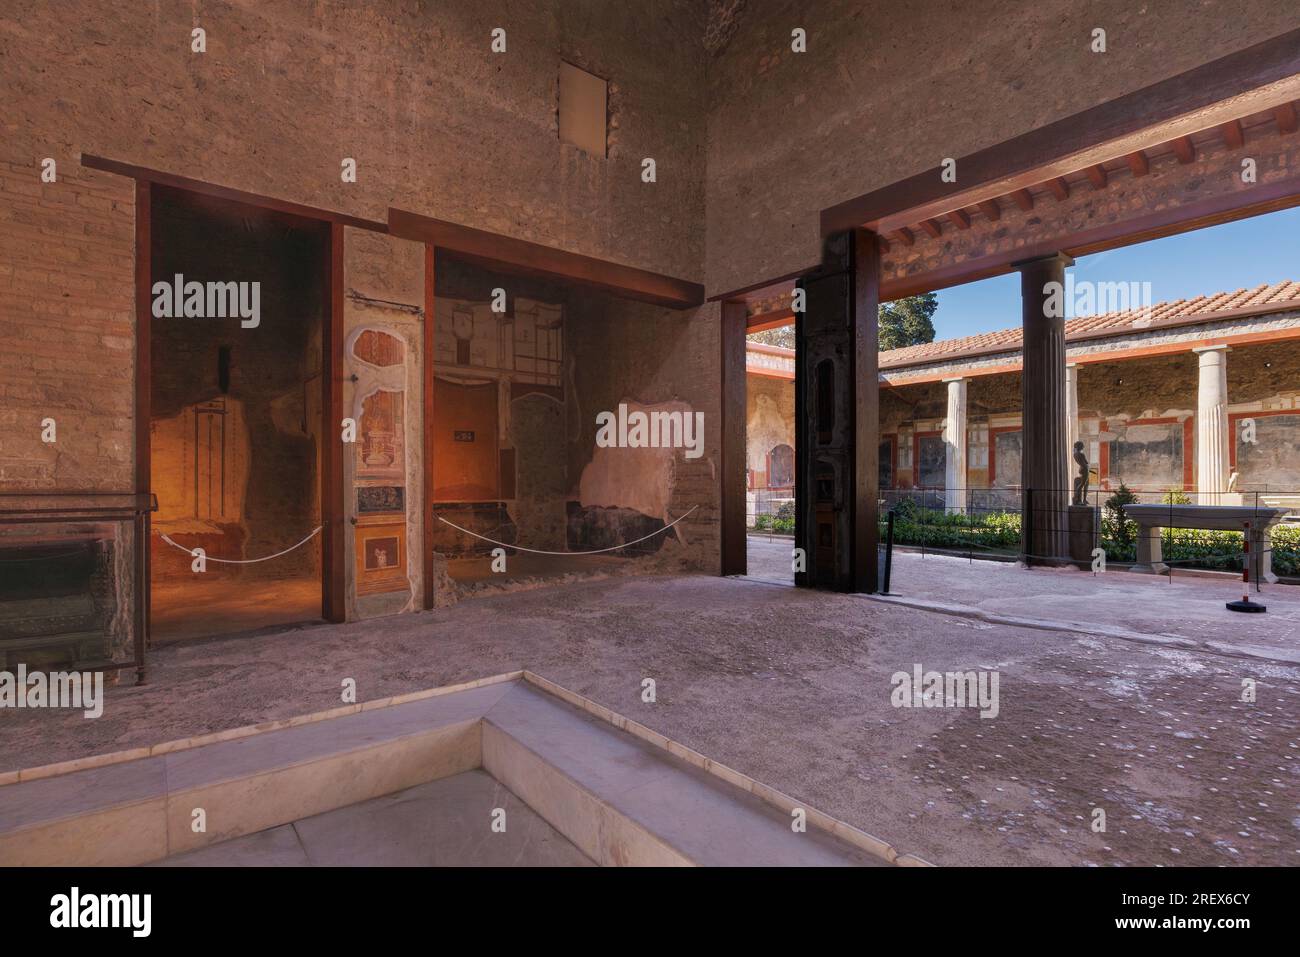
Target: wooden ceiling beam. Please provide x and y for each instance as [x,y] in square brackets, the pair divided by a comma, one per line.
[1233,134]
[1060,188]
[905,235]
[959,218]
[1024,199]
[1184,149]
[1097,176]
[991,209]
[1138,163]
[1286,118]
[933,228]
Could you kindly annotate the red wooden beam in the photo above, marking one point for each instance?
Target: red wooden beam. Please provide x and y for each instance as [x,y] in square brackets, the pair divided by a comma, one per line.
[959,219]
[906,236]
[1097,176]
[991,209]
[1233,134]
[1286,118]
[1184,149]
[933,228]
[1138,163]
[1024,199]
[1060,188]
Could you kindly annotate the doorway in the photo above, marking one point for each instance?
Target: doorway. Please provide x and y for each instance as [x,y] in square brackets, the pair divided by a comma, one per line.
[239,316]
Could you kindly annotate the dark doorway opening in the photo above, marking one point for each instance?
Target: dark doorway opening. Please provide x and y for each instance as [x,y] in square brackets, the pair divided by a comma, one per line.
[239,313]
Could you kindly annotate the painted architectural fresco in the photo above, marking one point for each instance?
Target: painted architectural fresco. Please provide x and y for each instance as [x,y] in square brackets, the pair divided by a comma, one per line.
[380,469]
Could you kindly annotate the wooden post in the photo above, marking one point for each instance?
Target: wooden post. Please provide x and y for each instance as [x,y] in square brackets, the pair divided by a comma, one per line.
[733,487]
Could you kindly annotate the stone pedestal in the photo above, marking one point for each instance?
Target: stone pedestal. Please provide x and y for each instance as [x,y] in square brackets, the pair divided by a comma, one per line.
[1083,532]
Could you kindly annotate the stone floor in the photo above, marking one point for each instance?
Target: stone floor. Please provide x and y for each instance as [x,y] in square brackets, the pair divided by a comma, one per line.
[793,687]
[1189,606]
[193,609]
[445,823]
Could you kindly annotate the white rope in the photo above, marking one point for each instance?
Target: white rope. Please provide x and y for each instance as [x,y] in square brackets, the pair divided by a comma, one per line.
[246,561]
[538,551]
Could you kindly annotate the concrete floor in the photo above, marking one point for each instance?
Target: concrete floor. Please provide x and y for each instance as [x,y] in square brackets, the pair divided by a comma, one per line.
[793,688]
[445,823]
[186,610]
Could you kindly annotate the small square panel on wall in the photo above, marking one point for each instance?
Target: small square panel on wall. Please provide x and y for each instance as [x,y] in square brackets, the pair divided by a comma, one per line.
[583,109]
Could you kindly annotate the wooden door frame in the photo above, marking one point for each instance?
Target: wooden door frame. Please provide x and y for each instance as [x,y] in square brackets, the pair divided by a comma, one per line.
[333,581]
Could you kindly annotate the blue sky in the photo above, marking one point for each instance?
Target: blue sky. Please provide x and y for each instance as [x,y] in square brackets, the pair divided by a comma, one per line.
[1204,261]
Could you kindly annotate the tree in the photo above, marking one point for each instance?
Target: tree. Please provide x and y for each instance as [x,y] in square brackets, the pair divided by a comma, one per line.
[903,322]
[907,322]
[782,336]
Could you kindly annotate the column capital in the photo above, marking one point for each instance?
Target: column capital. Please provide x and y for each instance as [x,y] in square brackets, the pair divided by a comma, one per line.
[1222,347]
[1038,261]
[959,378]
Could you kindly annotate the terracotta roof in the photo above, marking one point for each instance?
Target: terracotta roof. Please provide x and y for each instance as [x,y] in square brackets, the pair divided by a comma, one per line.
[1279,295]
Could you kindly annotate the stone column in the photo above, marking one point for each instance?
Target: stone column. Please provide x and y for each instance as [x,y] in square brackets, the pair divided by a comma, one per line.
[1212,425]
[1044,471]
[954,441]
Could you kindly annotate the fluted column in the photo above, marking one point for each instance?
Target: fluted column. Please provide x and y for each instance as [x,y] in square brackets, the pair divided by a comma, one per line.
[954,440]
[1044,472]
[1211,425]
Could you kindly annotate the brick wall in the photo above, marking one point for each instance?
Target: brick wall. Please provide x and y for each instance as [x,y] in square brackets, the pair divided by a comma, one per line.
[67,260]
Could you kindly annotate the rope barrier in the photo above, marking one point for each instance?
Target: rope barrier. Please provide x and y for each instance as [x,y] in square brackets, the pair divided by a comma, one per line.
[245,561]
[538,551]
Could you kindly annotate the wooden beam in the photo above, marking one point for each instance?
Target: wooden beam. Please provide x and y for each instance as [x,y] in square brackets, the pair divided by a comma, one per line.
[905,235]
[495,251]
[1138,163]
[1233,134]
[143,408]
[1060,188]
[1097,176]
[884,244]
[933,228]
[430,433]
[866,411]
[1024,199]
[332,510]
[762,321]
[1253,78]
[991,209]
[1240,204]
[142,174]
[959,218]
[1285,115]
[732,470]
[1184,149]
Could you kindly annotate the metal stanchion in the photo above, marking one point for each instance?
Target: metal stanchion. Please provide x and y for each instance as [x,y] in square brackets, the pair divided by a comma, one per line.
[1246,604]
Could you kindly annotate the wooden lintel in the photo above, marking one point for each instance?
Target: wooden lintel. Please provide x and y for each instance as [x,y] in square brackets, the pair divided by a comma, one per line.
[494,251]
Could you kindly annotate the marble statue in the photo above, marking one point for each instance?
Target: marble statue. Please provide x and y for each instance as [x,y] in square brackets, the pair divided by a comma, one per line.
[1080,480]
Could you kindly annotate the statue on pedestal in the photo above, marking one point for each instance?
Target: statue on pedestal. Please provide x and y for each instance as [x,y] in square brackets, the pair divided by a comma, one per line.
[1080,480]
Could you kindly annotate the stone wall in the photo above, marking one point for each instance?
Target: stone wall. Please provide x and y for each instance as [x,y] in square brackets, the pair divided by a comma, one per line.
[887,90]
